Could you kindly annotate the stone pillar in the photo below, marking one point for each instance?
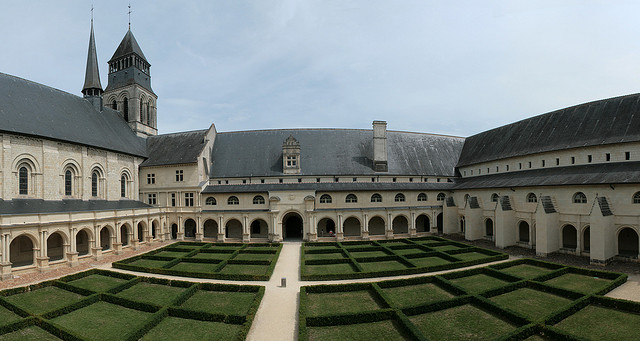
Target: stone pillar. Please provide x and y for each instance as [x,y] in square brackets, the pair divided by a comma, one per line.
[313,227]
[340,229]
[245,229]
[473,224]
[42,259]
[548,234]
[388,230]
[365,227]
[449,218]
[180,235]
[199,229]
[5,265]
[505,227]
[149,235]
[603,237]
[72,256]
[412,224]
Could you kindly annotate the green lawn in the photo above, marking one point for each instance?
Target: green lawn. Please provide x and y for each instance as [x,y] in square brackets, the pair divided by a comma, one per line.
[172,254]
[470,256]
[174,328]
[365,254]
[334,303]
[526,271]
[414,295]
[97,283]
[412,250]
[44,299]
[220,302]
[532,304]
[212,255]
[152,293]
[7,316]
[478,283]
[578,283]
[195,267]
[333,255]
[428,261]
[599,323]
[342,268]
[322,246]
[149,263]
[29,333]
[189,246]
[464,322]
[382,330]
[445,247]
[382,266]
[255,256]
[393,243]
[245,269]
[103,320]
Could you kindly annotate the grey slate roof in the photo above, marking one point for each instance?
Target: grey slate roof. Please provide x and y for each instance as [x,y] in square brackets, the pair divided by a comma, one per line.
[33,109]
[29,206]
[328,187]
[332,152]
[612,120]
[590,174]
[92,74]
[171,149]
[128,45]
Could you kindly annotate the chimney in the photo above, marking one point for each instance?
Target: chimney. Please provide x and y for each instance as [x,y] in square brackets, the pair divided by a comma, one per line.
[380,146]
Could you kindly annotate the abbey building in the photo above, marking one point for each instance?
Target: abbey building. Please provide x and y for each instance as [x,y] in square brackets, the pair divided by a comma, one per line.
[85,176]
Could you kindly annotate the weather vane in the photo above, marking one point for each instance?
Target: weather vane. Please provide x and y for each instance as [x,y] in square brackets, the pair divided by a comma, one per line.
[91,13]
[129,15]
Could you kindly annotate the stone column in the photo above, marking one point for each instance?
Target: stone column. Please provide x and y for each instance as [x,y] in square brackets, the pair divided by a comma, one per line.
[388,226]
[5,265]
[340,229]
[365,227]
[42,259]
[412,225]
[245,229]
[96,248]
[180,229]
[72,256]
[221,229]
[199,229]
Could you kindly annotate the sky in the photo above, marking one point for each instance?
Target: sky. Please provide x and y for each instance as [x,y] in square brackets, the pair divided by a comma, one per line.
[444,67]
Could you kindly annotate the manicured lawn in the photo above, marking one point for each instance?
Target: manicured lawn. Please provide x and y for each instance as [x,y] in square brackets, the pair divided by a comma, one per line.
[195,267]
[29,333]
[220,302]
[174,328]
[333,255]
[532,304]
[189,246]
[365,254]
[211,255]
[464,322]
[526,271]
[172,254]
[335,303]
[579,283]
[478,283]
[382,266]
[393,243]
[103,320]
[445,247]
[408,251]
[245,269]
[469,256]
[415,295]
[599,323]
[43,300]
[322,246]
[152,293]
[428,261]
[255,256]
[382,330]
[97,283]
[149,263]
[342,268]
[7,316]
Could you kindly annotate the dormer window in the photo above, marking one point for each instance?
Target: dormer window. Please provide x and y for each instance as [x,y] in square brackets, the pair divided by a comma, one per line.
[291,156]
[292,161]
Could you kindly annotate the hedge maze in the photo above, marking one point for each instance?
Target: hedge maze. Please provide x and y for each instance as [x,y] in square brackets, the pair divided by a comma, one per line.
[101,305]
[524,299]
[362,259]
[230,261]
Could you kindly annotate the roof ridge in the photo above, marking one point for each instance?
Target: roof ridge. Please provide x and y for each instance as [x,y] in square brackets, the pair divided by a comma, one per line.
[40,84]
[182,132]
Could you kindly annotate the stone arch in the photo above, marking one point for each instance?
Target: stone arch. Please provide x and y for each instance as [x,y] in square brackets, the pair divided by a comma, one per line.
[154,228]
[21,250]
[293,225]
[351,227]
[105,238]
[210,228]
[423,223]
[125,186]
[96,180]
[141,230]
[569,237]
[440,222]
[259,228]
[523,232]
[628,242]
[82,241]
[326,227]
[25,168]
[27,159]
[463,224]
[174,231]
[189,228]
[376,225]
[586,239]
[488,227]
[70,186]
[55,246]
[400,225]
[233,228]
[125,234]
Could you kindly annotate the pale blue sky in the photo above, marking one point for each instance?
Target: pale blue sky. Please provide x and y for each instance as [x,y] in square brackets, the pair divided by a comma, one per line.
[446,67]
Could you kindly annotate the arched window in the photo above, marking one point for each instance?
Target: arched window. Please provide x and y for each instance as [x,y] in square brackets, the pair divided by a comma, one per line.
[422,197]
[149,121]
[94,183]
[114,105]
[351,198]
[440,197]
[532,197]
[210,201]
[68,182]
[23,180]
[494,197]
[233,200]
[579,198]
[325,199]
[636,198]
[376,198]
[125,109]
[400,197]
[258,200]
[142,113]
[466,197]
[123,186]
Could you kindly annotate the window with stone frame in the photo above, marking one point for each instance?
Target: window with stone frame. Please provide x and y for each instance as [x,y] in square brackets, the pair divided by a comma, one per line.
[325,199]
[351,198]
[152,199]
[422,197]
[400,198]
[258,200]
[376,197]
[233,200]
[188,199]
[579,198]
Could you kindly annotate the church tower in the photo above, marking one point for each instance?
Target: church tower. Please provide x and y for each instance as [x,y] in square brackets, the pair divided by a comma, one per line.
[92,89]
[129,88]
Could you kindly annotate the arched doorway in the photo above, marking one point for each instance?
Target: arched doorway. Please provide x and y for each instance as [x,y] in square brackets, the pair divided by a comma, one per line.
[21,251]
[351,227]
[82,243]
[189,228]
[400,225]
[140,231]
[210,229]
[523,232]
[174,231]
[259,229]
[440,223]
[326,227]
[488,227]
[154,229]
[105,238]
[423,224]
[586,239]
[124,235]
[628,242]
[55,247]
[569,237]
[233,229]
[376,226]
[462,224]
[292,226]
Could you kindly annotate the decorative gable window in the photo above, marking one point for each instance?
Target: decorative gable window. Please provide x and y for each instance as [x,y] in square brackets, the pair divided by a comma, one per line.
[291,156]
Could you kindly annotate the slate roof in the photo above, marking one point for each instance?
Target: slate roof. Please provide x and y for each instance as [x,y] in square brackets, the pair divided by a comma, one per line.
[590,174]
[333,152]
[171,149]
[329,187]
[29,206]
[613,120]
[128,45]
[92,74]
[29,108]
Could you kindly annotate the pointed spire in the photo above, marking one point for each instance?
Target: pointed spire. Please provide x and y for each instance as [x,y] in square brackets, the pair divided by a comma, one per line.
[92,75]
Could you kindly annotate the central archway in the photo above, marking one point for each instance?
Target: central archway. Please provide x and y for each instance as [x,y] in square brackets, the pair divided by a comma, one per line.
[292,226]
